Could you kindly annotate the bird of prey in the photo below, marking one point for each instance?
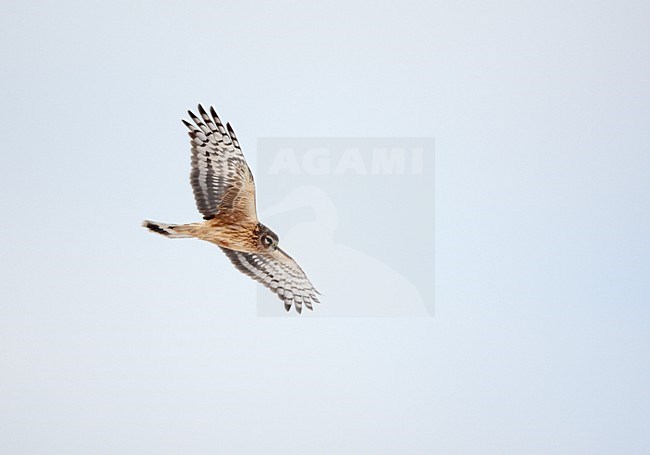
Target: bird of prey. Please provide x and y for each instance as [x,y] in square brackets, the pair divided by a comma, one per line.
[224,191]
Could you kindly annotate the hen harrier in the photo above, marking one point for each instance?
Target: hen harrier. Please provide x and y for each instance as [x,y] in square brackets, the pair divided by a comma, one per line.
[225,194]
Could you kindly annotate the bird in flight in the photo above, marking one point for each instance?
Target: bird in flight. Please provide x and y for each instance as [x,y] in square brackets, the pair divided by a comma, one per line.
[224,191]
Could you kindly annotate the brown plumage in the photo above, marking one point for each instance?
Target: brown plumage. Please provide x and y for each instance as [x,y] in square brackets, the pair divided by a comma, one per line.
[224,191]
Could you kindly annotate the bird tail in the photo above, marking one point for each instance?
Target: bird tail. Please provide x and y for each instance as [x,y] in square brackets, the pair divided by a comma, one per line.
[173,231]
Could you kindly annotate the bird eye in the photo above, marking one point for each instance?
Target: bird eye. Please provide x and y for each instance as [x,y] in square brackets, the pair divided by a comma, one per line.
[267,240]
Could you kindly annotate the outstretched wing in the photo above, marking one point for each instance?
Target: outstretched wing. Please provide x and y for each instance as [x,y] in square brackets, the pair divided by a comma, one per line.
[278,272]
[220,177]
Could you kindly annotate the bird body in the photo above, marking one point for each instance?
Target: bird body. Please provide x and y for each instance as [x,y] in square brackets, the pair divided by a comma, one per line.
[220,231]
[224,191]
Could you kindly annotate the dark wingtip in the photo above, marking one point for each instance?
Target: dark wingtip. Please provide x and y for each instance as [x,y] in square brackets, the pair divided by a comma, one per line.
[201,110]
[194,117]
[287,306]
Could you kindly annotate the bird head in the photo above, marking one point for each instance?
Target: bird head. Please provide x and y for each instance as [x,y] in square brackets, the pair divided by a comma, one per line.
[267,238]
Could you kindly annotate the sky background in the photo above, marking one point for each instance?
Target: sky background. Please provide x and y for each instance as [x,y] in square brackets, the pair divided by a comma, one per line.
[115,341]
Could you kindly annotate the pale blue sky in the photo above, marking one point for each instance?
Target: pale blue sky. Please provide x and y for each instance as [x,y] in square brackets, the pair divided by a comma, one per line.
[115,341]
